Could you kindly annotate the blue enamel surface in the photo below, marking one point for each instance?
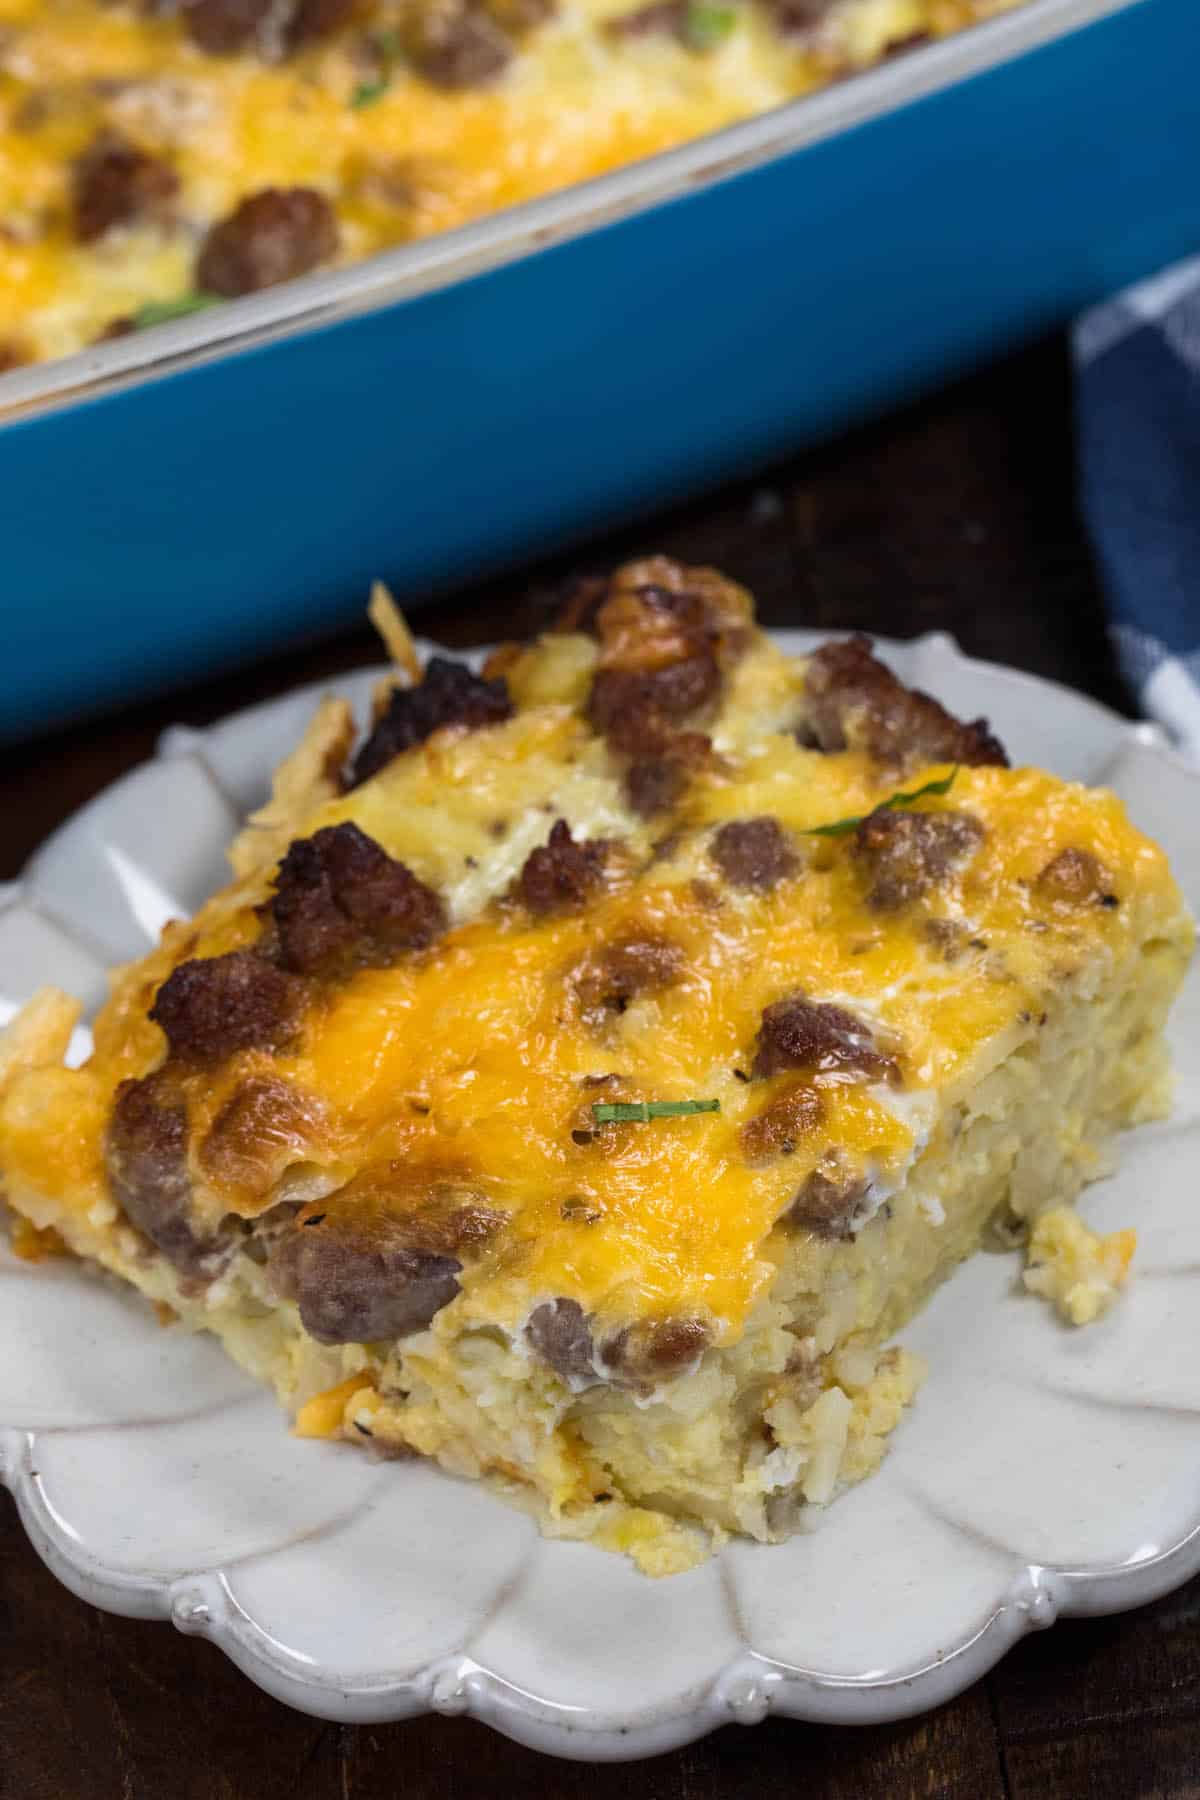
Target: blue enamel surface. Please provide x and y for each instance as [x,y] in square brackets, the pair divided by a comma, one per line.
[157,533]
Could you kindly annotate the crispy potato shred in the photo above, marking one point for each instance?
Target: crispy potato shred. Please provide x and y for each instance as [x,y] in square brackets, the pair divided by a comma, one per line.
[38,1036]
[303,781]
[392,627]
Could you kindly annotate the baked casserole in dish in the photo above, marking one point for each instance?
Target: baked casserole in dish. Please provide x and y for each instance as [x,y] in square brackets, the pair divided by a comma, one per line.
[584,1078]
[157,157]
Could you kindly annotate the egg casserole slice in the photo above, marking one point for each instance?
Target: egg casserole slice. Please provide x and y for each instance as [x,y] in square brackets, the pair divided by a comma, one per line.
[157,156]
[582,1080]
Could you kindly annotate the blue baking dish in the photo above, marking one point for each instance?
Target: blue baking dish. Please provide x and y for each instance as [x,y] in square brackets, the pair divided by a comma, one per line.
[177,501]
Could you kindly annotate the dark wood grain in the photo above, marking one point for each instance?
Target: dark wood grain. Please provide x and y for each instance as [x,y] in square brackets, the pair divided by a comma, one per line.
[957,514]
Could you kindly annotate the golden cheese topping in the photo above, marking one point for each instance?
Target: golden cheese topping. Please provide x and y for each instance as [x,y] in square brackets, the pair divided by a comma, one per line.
[834,992]
[123,140]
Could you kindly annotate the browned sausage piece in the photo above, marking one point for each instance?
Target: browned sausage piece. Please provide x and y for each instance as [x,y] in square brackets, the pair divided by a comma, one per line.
[667,18]
[557,1332]
[114,182]
[636,711]
[272,236]
[781,1126]
[455,44]
[1072,878]
[797,1033]
[852,701]
[654,784]
[656,781]
[561,872]
[656,605]
[754,853]
[216,1005]
[637,1356]
[654,1350]
[826,1207]
[145,1154]
[449,694]
[904,854]
[355,1293]
[315,19]
[795,17]
[665,632]
[362,1276]
[622,970]
[223,26]
[341,902]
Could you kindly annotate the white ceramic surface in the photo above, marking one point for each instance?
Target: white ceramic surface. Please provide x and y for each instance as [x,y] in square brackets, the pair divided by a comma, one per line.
[1040,1471]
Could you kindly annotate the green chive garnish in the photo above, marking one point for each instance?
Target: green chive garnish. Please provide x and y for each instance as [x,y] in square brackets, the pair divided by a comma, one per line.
[642,1111]
[705,26]
[842,826]
[387,48]
[367,92]
[159,312]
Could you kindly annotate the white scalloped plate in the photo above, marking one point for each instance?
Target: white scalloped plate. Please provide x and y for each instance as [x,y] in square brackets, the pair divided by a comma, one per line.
[1040,1471]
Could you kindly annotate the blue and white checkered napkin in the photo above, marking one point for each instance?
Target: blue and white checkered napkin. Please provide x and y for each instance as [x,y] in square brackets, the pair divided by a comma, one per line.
[1138,408]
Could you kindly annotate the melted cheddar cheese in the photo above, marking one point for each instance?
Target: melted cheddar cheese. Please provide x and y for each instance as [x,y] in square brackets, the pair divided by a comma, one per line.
[475,1062]
[408,160]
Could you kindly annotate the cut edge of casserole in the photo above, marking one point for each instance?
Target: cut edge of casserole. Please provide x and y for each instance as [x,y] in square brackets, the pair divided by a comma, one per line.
[346,1119]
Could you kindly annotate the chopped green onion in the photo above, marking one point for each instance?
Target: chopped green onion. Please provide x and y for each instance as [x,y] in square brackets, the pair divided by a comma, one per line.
[388,49]
[705,25]
[159,312]
[367,92]
[841,827]
[642,1111]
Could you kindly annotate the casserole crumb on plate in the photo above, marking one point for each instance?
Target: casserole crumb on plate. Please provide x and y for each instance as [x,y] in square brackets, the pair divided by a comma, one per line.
[156,159]
[586,1075]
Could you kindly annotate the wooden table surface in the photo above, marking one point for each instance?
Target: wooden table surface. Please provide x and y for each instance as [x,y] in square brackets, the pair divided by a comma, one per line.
[957,514]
